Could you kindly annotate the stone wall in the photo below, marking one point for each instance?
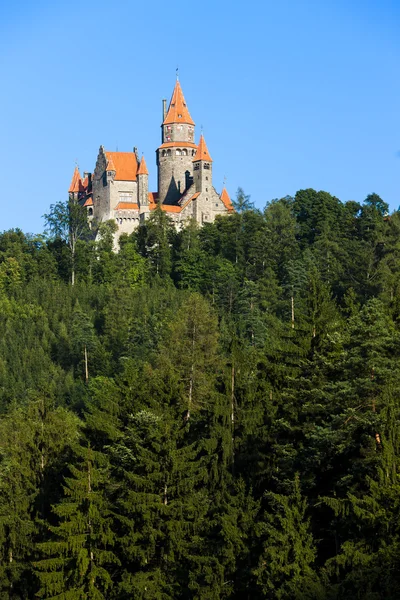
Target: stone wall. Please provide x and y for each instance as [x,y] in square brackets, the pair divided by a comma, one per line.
[172,165]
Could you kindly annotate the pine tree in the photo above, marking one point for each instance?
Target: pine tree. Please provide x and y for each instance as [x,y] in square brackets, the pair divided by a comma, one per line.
[285,569]
[78,558]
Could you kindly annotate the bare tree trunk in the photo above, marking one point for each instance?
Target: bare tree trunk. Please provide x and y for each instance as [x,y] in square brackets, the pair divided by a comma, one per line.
[72,246]
[165,500]
[292,300]
[86,366]
[190,395]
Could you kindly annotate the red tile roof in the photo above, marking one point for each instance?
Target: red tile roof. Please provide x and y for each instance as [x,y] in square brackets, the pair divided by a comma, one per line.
[127,206]
[76,183]
[142,167]
[125,165]
[202,151]
[178,145]
[226,201]
[89,201]
[178,111]
[153,197]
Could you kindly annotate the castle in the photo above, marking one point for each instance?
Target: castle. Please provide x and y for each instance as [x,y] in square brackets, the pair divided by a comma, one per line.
[118,187]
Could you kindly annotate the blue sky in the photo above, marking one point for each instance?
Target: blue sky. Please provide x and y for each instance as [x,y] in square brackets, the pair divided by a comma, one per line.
[290,94]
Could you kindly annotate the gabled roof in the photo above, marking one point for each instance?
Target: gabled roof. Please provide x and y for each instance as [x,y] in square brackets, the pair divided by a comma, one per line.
[76,183]
[178,111]
[125,165]
[226,200]
[142,167]
[89,201]
[202,151]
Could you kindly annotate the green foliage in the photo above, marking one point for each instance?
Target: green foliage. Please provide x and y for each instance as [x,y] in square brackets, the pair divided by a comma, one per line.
[158,416]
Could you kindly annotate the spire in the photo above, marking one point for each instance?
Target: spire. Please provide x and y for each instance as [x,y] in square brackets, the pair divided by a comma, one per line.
[110,164]
[76,182]
[202,151]
[226,200]
[142,167]
[178,111]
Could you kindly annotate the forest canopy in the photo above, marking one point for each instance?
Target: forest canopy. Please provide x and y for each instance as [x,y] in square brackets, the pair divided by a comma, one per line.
[206,413]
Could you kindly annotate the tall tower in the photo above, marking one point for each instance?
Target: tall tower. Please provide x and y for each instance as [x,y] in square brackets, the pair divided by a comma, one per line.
[174,156]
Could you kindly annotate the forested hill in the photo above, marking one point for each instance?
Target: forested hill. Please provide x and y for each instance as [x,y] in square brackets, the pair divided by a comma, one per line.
[206,414]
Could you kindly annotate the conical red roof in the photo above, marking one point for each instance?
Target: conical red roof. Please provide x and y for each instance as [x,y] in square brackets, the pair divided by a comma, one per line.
[142,167]
[178,111]
[76,183]
[202,152]
[226,200]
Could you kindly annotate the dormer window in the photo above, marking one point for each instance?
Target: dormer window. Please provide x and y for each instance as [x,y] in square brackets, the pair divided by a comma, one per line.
[179,116]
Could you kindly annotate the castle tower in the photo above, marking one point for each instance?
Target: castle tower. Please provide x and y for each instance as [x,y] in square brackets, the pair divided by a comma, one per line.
[143,188]
[202,167]
[174,156]
[76,185]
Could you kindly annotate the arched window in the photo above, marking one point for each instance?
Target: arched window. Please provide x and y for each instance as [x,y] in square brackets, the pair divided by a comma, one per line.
[164,153]
[178,152]
[90,212]
[184,152]
[168,152]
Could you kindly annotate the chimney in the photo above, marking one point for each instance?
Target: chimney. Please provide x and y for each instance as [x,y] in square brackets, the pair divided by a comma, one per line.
[164,108]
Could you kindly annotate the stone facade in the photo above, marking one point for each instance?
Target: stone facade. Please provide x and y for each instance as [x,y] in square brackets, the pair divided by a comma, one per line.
[118,187]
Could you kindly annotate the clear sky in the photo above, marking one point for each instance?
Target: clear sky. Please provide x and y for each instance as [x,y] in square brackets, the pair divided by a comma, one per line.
[291,94]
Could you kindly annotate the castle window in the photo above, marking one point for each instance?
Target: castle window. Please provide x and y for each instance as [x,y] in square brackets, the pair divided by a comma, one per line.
[168,138]
[217,205]
[206,165]
[179,127]
[206,178]
[179,116]
[164,153]
[206,189]
[178,152]
[168,152]
[90,212]
[196,166]
[125,197]
[184,153]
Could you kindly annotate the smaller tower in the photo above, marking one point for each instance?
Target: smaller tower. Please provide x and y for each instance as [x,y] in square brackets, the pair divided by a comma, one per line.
[76,185]
[143,189]
[202,167]
[111,171]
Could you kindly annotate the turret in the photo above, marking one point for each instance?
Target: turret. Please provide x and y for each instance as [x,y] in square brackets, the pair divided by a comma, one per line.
[202,167]
[111,171]
[76,185]
[174,156]
[143,188]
